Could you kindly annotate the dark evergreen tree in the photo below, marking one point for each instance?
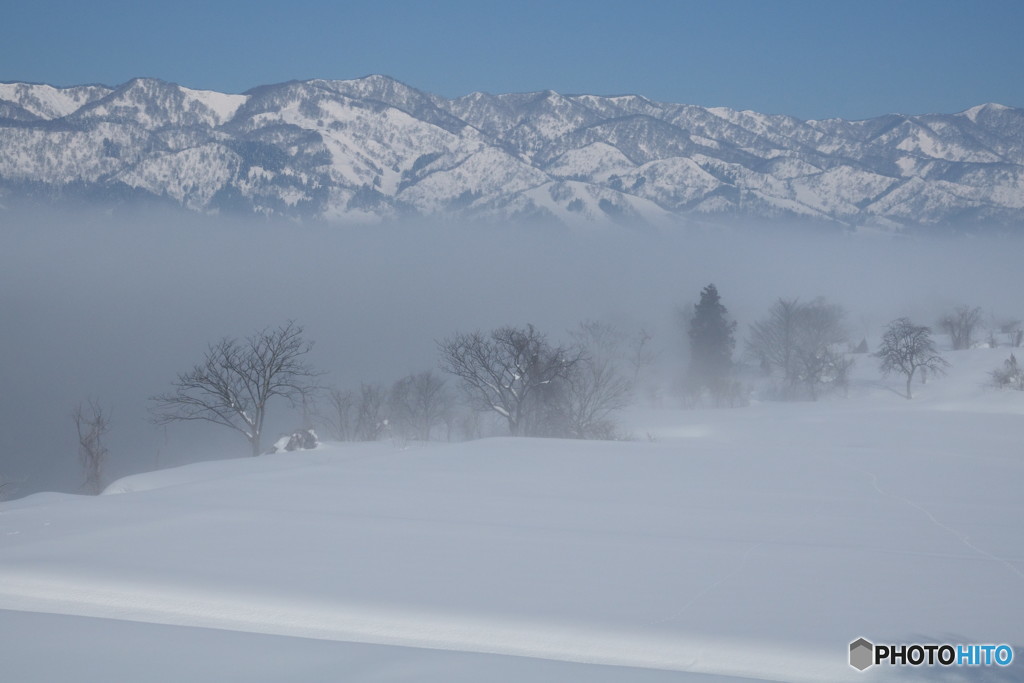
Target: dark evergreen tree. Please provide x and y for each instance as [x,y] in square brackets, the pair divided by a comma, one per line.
[711,342]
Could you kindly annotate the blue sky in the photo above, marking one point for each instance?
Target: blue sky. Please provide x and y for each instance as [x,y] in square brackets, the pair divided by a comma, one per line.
[817,59]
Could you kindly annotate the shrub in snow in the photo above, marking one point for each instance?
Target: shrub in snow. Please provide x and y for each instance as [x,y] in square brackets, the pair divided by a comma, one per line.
[300,440]
[1011,375]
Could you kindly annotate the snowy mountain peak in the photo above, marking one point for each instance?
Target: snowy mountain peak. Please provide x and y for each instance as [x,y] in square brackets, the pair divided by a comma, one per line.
[153,103]
[49,102]
[988,107]
[223,106]
[374,86]
[373,148]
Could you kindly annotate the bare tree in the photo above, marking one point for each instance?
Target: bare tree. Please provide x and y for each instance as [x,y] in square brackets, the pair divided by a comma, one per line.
[1013,331]
[596,386]
[960,326]
[907,347]
[337,416]
[819,361]
[371,412]
[642,355]
[235,382]
[512,371]
[419,402]
[801,340]
[772,341]
[92,423]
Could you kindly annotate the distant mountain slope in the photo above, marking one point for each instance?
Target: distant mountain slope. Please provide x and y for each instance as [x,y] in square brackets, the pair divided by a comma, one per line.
[373,148]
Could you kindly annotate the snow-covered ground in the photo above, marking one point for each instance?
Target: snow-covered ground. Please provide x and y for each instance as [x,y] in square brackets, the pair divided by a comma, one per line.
[737,544]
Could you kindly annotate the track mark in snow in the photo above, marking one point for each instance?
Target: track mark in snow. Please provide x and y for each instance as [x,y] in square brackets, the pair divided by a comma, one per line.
[737,568]
[963,538]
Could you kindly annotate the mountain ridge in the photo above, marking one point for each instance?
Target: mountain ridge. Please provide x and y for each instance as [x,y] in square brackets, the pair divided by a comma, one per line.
[374,149]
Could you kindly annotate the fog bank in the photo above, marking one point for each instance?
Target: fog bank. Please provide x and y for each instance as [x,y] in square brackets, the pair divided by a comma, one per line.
[113,307]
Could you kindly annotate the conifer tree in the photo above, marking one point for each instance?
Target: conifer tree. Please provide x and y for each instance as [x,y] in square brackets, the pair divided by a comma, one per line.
[711,342]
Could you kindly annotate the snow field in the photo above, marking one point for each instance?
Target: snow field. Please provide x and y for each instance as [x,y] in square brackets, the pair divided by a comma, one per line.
[750,543]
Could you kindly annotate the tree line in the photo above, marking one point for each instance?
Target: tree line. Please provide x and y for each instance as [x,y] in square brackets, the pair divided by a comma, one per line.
[533,386]
[805,345]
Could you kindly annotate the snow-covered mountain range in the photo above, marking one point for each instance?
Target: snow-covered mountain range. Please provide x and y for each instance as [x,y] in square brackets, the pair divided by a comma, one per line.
[373,148]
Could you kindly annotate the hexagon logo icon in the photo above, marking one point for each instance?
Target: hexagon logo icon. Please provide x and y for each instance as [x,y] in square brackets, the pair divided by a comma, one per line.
[861,654]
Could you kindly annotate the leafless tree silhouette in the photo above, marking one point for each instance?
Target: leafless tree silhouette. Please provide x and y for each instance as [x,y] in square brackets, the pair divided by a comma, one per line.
[907,347]
[92,423]
[235,382]
[512,371]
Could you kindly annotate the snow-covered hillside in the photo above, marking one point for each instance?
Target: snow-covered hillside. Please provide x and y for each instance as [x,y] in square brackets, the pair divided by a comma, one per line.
[742,544]
[373,148]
